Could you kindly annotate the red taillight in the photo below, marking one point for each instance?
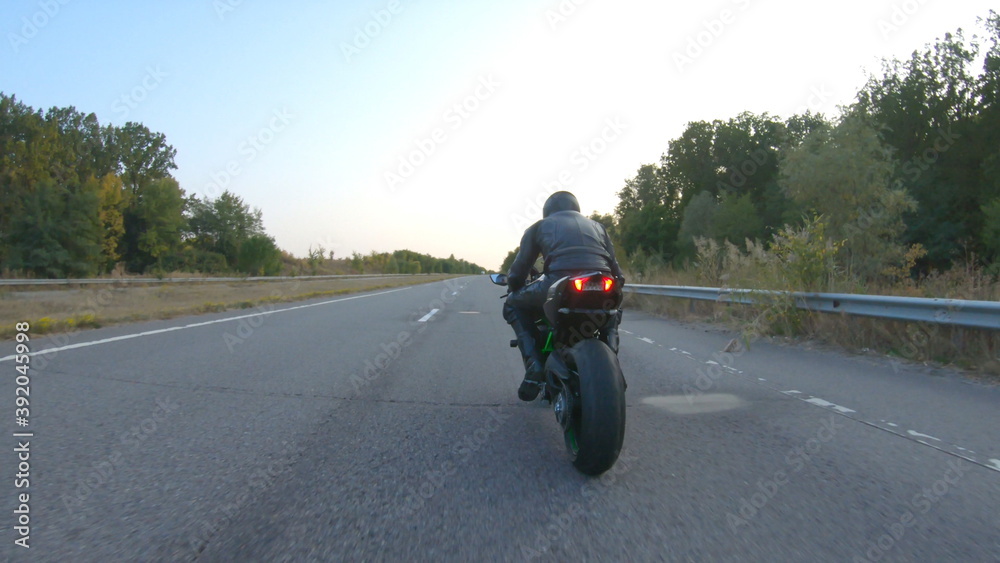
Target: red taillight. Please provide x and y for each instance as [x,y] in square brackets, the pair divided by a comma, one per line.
[603,283]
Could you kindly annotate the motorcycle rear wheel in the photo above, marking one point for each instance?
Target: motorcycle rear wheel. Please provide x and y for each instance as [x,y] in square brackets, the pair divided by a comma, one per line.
[596,431]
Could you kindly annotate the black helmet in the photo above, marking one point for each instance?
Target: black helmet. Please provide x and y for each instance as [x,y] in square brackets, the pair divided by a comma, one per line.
[560,201]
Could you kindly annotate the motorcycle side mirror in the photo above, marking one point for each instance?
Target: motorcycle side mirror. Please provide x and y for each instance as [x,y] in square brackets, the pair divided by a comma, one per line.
[499,279]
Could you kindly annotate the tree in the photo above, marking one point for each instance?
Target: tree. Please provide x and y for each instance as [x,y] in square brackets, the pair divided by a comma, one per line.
[942,124]
[843,173]
[391,266]
[66,172]
[736,219]
[508,261]
[223,224]
[112,204]
[142,155]
[606,220]
[358,262]
[259,255]
[991,230]
[698,222]
[314,256]
[56,233]
[156,221]
[647,213]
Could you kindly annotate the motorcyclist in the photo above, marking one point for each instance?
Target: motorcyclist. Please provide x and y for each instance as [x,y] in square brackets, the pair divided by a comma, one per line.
[570,244]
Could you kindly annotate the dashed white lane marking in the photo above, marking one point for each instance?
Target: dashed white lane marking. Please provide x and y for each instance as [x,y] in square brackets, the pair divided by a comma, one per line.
[827,404]
[993,464]
[196,325]
[623,331]
[426,317]
[469,312]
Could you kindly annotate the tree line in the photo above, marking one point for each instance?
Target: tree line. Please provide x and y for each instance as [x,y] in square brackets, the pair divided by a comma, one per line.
[907,176]
[409,262]
[78,198]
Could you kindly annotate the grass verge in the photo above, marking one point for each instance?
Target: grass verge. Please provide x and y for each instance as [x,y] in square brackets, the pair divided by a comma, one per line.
[72,308]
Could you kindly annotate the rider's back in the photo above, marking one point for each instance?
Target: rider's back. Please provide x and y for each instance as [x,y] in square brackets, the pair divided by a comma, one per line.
[571,241]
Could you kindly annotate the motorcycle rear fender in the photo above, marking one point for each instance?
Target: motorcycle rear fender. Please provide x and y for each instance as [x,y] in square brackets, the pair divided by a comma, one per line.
[564,307]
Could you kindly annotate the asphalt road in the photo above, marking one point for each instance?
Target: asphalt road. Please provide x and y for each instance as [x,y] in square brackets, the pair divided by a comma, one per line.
[347,429]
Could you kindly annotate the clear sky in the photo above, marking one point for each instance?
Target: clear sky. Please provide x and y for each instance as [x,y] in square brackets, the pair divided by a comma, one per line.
[432,125]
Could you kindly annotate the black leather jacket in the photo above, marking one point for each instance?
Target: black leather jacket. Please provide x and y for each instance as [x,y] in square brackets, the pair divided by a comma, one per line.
[568,241]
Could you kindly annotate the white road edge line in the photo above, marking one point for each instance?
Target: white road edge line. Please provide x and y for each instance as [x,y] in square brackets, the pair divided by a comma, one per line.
[425,318]
[826,404]
[195,325]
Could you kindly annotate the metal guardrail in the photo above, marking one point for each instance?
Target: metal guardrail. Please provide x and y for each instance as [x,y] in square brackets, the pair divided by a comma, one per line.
[194,280]
[957,312]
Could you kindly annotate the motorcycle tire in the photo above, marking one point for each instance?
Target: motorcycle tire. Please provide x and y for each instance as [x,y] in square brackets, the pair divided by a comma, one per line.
[596,433]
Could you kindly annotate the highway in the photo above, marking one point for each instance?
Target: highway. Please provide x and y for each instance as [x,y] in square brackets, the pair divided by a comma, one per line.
[385,426]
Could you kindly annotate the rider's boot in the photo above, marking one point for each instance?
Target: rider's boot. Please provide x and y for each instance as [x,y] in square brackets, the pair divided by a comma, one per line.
[534,370]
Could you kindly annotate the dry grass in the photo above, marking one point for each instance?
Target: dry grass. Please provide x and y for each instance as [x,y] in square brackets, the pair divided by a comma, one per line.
[759,268]
[71,308]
